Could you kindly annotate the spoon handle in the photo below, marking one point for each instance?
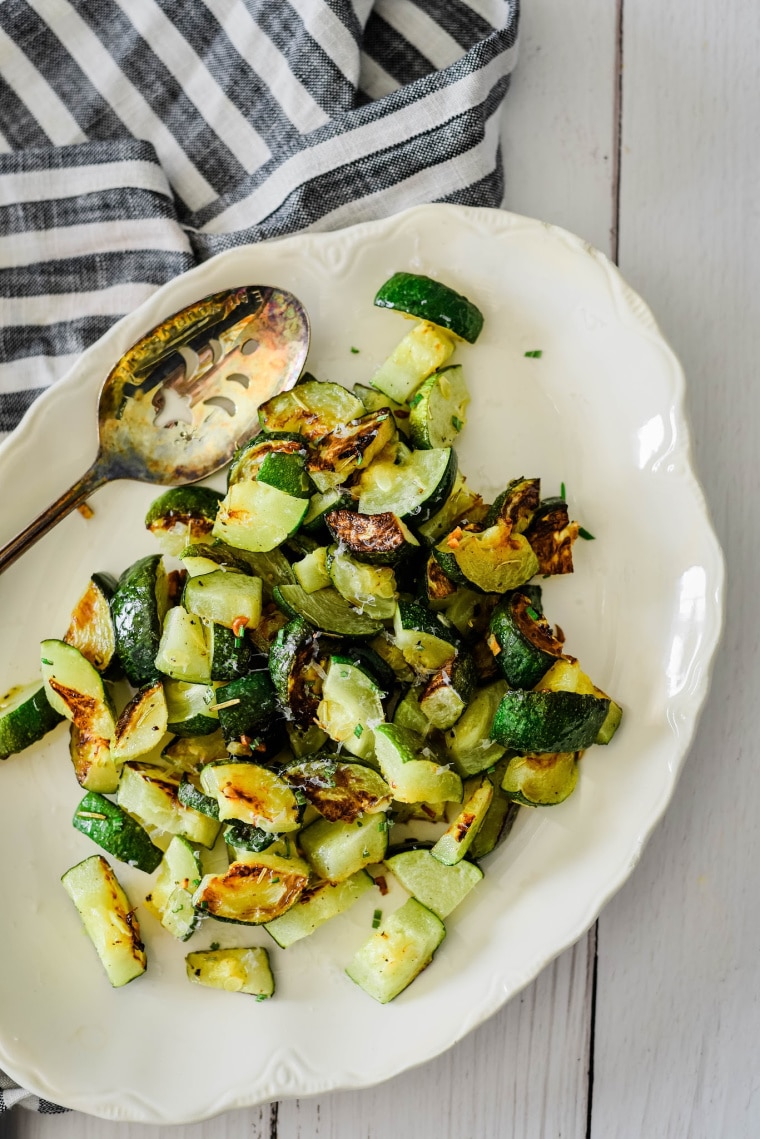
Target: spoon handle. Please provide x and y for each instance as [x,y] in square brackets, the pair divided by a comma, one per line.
[81,490]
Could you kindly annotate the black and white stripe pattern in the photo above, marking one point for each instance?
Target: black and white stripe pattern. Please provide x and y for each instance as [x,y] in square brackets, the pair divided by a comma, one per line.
[138,137]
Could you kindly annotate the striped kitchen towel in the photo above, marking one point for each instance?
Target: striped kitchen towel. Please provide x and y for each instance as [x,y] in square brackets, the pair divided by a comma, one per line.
[138,137]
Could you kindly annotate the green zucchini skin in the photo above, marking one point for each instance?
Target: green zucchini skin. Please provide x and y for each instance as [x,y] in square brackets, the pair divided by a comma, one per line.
[372,663]
[27,723]
[138,619]
[245,836]
[256,710]
[544,722]
[296,681]
[528,646]
[189,796]
[427,299]
[183,514]
[325,610]
[231,656]
[116,831]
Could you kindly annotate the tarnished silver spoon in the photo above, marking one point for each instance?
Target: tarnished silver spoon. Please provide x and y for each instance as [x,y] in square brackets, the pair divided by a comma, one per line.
[187,394]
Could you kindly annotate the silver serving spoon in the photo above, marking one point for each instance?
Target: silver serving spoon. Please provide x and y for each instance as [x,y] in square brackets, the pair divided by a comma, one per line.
[187,394]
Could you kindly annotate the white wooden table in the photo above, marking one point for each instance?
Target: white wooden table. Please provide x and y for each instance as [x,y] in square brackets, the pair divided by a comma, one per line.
[635,124]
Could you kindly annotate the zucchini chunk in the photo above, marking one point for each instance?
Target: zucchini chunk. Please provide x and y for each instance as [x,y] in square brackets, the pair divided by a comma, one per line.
[369,588]
[408,713]
[232,970]
[26,715]
[548,721]
[108,918]
[438,887]
[93,763]
[460,500]
[350,447]
[297,669]
[517,505]
[566,675]
[340,790]
[141,725]
[413,489]
[338,850]
[551,535]
[438,409]
[171,898]
[439,589]
[251,794]
[421,352]
[499,818]
[311,572]
[457,839]
[467,742]
[242,839]
[351,707]
[187,708]
[397,952]
[541,780]
[181,516]
[189,754]
[272,620]
[183,651]
[138,607]
[369,660]
[198,559]
[231,656]
[287,473]
[113,829]
[190,796]
[75,690]
[326,610]
[317,904]
[253,890]
[270,565]
[411,777]
[375,400]
[425,640]
[251,706]
[377,539]
[151,795]
[525,645]
[257,517]
[229,599]
[312,409]
[448,691]
[305,741]
[469,611]
[431,300]
[249,459]
[91,628]
[492,560]
[391,654]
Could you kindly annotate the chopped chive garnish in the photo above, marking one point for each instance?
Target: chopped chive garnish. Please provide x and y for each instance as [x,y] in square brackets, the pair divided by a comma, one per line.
[355,351]
[358,731]
[456,423]
[275,881]
[381,826]
[535,353]
[239,641]
[377,917]
[177,909]
[260,997]
[562,492]
[583,533]
[214,945]
[195,882]
[49,663]
[532,613]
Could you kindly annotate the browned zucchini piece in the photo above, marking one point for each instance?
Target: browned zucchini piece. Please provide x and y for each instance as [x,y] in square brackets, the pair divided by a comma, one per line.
[551,535]
[378,539]
[340,791]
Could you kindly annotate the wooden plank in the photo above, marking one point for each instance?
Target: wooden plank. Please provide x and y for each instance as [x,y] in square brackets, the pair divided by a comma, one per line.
[523,1075]
[679,969]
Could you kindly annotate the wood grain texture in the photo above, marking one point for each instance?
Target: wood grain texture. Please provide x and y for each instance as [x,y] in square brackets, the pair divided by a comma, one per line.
[524,1074]
[678,1011]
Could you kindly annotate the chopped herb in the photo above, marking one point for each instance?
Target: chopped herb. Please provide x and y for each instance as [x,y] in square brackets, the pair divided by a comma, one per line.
[415,399]
[583,533]
[365,853]
[358,731]
[260,997]
[382,825]
[562,492]
[49,663]
[532,613]
[177,909]
[300,797]
[195,882]
[215,945]
[456,423]
[275,881]
[239,641]
[355,351]
[377,917]
[535,353]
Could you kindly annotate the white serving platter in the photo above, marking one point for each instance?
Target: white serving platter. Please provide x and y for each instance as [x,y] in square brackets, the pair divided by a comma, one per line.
[602,411]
